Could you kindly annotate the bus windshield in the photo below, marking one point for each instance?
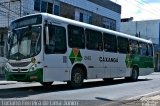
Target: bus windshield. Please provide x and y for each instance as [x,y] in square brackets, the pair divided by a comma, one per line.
[24,43]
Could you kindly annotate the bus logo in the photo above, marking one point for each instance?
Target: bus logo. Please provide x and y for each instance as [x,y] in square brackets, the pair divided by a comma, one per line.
[19,70]
[75,56]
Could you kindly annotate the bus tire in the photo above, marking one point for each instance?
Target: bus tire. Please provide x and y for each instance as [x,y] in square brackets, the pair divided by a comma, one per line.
[134,75]
[46,84]
[77,78]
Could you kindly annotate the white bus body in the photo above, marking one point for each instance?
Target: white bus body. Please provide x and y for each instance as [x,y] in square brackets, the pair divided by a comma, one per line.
[56,59]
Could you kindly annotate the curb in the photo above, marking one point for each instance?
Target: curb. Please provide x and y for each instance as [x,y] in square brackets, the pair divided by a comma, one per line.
[150,99]
[151,94]
[7,82]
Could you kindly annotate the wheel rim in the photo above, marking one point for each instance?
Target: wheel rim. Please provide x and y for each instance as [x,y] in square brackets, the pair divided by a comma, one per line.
[77,78]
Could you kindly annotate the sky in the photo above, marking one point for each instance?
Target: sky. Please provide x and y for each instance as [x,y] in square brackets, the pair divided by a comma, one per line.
[140,9]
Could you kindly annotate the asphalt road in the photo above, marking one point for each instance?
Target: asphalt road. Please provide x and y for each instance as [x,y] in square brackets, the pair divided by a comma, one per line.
[93,92]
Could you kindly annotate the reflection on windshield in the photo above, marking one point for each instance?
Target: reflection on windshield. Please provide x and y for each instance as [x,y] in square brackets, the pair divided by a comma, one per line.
[24,43]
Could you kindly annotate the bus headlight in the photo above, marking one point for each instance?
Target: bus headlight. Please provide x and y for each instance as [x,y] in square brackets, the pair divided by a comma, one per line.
[34,66]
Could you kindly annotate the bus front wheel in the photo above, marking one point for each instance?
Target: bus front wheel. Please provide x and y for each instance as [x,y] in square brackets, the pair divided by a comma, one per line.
[77,78]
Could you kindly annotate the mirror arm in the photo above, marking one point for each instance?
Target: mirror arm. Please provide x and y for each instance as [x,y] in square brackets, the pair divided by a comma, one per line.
[47,36]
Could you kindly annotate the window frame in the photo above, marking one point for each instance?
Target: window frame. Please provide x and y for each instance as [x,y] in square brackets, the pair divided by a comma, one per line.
[65,47]
[109,23]
[36,4]
[121,46]
[133,42]
[98,46]
[50,7]
[141,48]
[70,27]
[56,9]
[45,7]
[113,48]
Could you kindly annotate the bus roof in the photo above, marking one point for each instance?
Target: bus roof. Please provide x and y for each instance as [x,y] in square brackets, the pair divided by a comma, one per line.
[85,25]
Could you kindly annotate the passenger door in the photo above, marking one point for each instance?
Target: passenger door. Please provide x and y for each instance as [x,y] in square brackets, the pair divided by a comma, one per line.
[55,56]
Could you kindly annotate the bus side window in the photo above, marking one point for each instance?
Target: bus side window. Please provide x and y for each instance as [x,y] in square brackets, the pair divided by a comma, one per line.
[143,49]
[57,40]
[76,37]
[110,43]
[123,45]
[133,47]
[94,40]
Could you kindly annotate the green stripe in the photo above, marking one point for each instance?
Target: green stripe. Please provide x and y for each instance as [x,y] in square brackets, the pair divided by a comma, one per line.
[25,77]
[141,61]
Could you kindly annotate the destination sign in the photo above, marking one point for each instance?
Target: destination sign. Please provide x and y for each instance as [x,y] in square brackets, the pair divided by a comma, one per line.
[26,21]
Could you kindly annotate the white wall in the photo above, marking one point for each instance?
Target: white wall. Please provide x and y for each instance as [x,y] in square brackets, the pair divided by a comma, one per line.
[147,29]
[8,12]
[28,7]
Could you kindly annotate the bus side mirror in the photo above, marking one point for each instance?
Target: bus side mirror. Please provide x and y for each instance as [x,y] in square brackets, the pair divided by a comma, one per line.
[9,37]
[47,35]
[9,41]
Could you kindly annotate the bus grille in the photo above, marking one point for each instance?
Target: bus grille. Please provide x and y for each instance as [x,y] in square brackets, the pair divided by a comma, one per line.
[20,70]
[21,64]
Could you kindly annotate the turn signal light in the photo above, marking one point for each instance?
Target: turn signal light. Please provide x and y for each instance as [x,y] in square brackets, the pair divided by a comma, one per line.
[33,60]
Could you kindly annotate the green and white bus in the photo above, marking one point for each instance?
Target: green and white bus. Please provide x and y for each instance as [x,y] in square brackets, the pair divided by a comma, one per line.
[46,48]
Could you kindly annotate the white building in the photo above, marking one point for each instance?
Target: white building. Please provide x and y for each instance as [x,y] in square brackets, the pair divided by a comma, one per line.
[103,13]
[149,29]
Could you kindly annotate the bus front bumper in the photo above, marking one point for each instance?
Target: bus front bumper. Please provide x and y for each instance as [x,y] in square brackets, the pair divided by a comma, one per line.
[32,76]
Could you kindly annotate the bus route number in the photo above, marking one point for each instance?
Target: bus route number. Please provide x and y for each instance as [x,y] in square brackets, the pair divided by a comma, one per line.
[87,58]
